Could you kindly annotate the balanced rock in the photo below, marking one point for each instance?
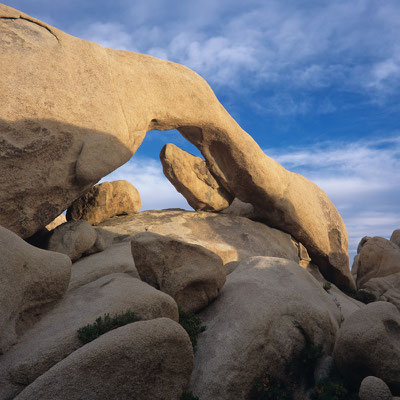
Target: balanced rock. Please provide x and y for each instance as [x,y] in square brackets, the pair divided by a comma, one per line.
[192,178]
[378,258]
[72,238]
[189,273]
[29,278]
[232,238]
[373,388]
[54,336]
[83,110]
[368,344]
[104,201]
[141,361]
[267,310]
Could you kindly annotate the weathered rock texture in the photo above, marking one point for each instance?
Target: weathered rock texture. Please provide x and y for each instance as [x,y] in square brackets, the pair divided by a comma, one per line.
[191,177]
[386,288]
[378,258]
[83,110]
[104,201]
[373,388]
[395,237]
[368,344]
[29,278]
[191,274]
[232,238]
[141,361]
[259,324]
[54,336]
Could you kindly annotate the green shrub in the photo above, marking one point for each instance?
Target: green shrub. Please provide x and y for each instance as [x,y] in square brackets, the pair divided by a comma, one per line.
[361,295]
[267,387]
[104,324]
[327,286]
[188,396]
[192,325]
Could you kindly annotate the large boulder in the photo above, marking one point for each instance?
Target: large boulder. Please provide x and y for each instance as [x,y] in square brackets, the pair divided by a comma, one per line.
[29,278]
[191,274]
[373,388]
[368,344]
[191,177]
[232,238]
[83,110]
[54,336]
[104,201]
[378,258]
[141,361]
[268,310]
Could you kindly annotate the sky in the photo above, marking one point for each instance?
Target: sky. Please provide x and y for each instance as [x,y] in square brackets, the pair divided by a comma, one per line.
[315,83]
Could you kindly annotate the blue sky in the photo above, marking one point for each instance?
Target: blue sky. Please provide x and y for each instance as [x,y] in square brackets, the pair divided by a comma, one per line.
[316,83]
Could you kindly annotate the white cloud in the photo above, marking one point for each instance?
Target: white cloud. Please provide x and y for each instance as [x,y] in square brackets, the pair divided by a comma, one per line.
[146,174]
[361,178]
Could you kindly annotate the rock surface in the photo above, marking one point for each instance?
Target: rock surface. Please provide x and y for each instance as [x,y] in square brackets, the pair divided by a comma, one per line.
[54,336]
[122,364]
[83,110]
[368,344]
[29,278]
[72,238]
[191,274]
[240,209]
[373,388]
[232,238]
[258,324]
[115,259]
[56,222]
[191,178]
[378,258]
[395,237]
[104,201]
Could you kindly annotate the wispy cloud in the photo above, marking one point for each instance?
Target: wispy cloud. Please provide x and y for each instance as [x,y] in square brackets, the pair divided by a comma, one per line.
[361,178]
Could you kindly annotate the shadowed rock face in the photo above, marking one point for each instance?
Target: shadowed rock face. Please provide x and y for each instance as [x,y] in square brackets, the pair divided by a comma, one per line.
[73,111]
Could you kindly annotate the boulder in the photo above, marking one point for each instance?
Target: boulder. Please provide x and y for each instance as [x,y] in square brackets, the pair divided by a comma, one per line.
[104,201]
[54,336]
[395,238]
[56,222]
[368,344]
[232,238]
[373,388]
[378,258]
[141,361]
[115,259]
[267,311]
[29,278]
[191,274]
[72,238]
[83,110]
[192,178]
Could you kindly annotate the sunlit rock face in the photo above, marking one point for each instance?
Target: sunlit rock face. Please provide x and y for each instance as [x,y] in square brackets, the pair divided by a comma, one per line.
[72,111]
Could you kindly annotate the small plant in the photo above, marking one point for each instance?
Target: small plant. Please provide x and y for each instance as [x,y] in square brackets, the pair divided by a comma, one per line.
[188,396]
[327,286]
[361,295]
[192,325]
[269,388]
[334,388]
[105,324]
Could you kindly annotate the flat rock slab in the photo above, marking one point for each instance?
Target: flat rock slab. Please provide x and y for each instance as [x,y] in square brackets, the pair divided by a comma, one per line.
[54,337]
[141,361]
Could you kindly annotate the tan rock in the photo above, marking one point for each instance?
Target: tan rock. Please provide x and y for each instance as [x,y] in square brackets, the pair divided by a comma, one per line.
[56,222]
[191,274]
[258,325]
[54,336]
[232,238]
[141,361]
[82,111]
[29,278]
[395,238]
[368,344]
[378,258]
[104,201]
[191,178]
[115,259]
[72,238]
[373,388]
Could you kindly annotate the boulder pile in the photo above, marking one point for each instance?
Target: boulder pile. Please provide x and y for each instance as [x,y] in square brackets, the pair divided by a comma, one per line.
[247,297]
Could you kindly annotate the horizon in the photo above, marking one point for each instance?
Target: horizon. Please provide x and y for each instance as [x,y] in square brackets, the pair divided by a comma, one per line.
[316,84]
